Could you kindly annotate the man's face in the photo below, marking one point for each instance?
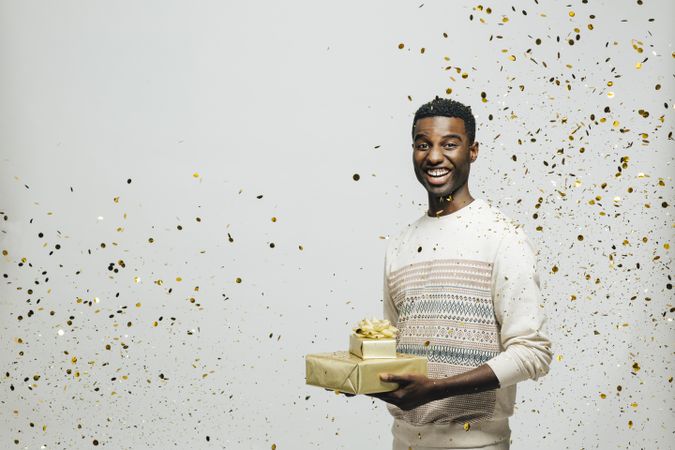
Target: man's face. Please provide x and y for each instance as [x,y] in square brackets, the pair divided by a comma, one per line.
[441,142]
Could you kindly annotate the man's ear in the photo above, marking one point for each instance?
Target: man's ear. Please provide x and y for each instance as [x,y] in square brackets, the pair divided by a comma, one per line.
[473,151]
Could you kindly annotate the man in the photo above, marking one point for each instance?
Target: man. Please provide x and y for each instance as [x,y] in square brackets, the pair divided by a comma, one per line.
[461,285]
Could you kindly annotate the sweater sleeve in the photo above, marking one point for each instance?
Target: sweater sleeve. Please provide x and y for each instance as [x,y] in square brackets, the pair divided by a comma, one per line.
[389,308]
[516,294]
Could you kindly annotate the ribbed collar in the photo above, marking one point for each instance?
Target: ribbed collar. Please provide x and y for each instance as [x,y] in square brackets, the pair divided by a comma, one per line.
[476,203]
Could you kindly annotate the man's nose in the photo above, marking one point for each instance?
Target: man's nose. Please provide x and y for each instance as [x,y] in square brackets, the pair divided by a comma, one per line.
[435,154]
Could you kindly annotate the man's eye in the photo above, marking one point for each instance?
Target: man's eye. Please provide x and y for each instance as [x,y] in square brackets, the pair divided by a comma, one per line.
[421,145]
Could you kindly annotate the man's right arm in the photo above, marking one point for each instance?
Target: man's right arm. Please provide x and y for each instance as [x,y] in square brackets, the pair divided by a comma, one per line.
[389,308]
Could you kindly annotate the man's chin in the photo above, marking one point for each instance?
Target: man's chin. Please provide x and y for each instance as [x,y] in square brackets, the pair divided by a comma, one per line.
[439,191]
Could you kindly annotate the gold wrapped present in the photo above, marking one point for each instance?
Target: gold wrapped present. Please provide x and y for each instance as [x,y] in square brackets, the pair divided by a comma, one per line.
[373,338]
[366,348]
[345,372]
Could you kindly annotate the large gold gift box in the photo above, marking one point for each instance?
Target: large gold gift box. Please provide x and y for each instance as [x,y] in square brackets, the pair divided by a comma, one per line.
[346,372]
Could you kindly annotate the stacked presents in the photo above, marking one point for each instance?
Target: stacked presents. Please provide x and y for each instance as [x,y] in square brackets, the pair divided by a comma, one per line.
[372,351]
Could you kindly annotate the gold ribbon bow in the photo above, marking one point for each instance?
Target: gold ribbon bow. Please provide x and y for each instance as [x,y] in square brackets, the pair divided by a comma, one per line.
[376,329]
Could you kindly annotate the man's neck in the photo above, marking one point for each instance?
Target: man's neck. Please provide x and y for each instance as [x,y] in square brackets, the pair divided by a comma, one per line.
[442,206]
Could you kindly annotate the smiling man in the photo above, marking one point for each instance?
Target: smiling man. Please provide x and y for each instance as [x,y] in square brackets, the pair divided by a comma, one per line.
[460,283]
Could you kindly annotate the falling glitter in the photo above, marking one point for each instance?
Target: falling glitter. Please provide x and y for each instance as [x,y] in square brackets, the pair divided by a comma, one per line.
[619,208]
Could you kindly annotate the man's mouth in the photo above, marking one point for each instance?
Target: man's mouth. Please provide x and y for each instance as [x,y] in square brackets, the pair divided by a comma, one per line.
[438,176]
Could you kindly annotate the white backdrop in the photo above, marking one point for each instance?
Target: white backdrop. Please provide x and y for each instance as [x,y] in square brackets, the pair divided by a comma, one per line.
[148,147]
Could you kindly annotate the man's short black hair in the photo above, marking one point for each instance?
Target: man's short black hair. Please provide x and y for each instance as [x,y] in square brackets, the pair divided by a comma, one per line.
[448,108]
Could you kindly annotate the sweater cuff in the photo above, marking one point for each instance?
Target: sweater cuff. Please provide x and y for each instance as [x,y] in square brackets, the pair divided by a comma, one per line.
[506,369]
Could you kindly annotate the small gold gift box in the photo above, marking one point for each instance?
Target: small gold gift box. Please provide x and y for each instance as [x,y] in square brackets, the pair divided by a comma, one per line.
[366,348]
[345,372]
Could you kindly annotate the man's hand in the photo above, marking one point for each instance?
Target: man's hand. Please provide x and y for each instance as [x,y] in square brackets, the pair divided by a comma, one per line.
[414,390]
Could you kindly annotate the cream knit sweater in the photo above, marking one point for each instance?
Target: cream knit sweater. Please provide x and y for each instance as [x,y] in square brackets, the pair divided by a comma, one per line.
[464,291]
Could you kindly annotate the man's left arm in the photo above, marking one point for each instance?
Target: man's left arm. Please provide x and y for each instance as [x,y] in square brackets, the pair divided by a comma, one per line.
[519,311]
[527,349]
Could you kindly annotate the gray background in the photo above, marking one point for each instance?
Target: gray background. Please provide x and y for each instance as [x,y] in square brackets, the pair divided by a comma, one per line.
[288,100]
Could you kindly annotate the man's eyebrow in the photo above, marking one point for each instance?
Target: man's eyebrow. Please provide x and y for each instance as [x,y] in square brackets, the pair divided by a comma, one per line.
[451,135]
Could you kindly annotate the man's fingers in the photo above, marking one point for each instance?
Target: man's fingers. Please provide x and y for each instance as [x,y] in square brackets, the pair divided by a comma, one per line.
[390,377]
[385,397]
[378,395]
[382,397]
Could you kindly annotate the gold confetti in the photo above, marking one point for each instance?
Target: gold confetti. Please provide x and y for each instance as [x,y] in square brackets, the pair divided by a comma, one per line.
[400,45]
[603,395]
[467,426]
[630,424]
[559,357]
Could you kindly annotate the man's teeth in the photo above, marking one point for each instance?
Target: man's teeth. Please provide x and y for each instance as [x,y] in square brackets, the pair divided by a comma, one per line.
[437,172]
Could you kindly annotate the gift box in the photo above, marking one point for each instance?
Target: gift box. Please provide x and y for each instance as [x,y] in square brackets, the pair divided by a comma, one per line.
[367,348]
[345,372]
[372,351]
